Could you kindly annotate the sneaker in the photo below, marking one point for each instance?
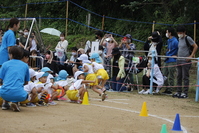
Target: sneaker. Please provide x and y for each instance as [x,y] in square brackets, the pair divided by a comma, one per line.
[141,92]
[79,101]
[167,92]
[23,105]
[103,96]
[52,103]
[103,90]
[62,99]
[176,95]
[106,96]
[15,107]
[183,95]
[110,90]
[30,105]
[42,104]
[157,90]
[5,106]
[146,92]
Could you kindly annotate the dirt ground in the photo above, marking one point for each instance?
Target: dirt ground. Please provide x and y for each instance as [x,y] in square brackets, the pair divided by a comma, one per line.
[118,114]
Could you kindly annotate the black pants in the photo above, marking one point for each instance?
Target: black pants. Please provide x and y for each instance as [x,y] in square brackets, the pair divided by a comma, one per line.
[146,82]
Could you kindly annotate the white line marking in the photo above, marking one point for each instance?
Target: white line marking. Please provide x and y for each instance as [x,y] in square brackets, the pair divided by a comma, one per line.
[109,101]
[183,128]
[183,116]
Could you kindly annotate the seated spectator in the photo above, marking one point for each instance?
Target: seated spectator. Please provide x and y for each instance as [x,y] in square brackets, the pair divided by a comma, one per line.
[158,79]
[69,64]
[78,64]
[50,62]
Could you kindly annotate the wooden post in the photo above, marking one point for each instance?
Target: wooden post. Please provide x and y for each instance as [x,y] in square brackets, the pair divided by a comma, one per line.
[153,26]
[66,19]
[194,30]
[26,10]
[103,22]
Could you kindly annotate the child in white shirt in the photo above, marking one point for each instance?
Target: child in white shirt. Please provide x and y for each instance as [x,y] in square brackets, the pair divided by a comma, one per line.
[99,70]
[88,69]
[63,83]
[78,88]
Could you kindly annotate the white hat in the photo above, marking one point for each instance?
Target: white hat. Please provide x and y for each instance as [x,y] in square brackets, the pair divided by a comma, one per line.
[32,73]
[77,74]
[41,74]
[83,57]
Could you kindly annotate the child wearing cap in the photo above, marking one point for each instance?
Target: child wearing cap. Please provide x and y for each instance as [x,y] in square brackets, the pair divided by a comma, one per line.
[87,68]
[51,88]
[98,68]
[47,69]
[40,84]
[78,88]
[31,90]
[64,82]
[14,74]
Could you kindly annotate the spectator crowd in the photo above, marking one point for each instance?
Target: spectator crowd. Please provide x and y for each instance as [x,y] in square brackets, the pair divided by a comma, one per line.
[110,69]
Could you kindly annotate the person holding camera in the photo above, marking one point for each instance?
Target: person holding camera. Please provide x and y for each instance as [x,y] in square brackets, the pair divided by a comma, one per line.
[108,42]
[127,47]
[154,42]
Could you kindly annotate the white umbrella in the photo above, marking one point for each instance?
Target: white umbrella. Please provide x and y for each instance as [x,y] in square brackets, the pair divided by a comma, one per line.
[51,31]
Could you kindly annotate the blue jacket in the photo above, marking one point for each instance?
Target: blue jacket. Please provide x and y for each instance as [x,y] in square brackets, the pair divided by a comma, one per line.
[172,49]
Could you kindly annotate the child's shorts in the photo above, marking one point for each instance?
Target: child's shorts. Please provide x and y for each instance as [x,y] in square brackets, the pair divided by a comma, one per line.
[92,77]
[102,74]
[73,94]
[28,100]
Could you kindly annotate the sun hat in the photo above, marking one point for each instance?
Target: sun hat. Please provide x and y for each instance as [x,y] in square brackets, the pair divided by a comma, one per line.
[32,73]
[81,50]
[94,55]
[46,69]
[115,51]
[77,74]
[62,75]
[83,57]
[41,74]
[98,60]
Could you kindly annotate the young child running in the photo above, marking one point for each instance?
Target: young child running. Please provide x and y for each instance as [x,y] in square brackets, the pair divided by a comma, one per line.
[14,74]
[78,88]
[64,82]
[88,69]
[98,68]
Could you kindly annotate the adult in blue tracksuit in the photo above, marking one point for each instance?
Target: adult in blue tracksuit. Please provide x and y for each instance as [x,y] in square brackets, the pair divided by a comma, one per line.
[169,63]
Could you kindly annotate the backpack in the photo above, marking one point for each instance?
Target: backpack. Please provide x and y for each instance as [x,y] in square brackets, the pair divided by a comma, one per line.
[189,45]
